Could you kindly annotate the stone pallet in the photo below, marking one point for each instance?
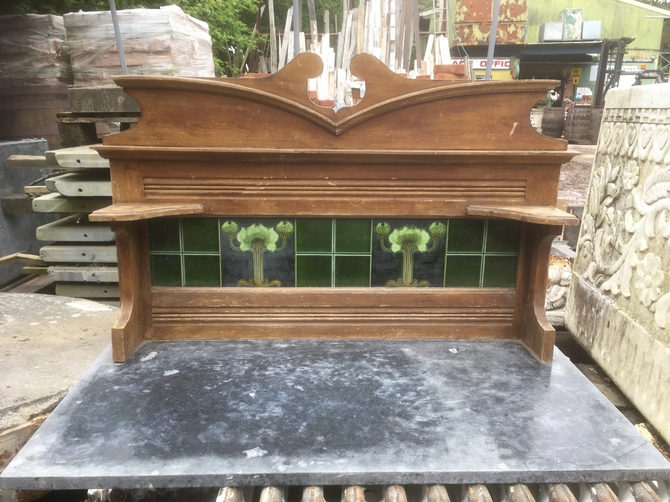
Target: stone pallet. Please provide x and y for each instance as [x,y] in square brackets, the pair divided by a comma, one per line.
[81,256]
[84,121]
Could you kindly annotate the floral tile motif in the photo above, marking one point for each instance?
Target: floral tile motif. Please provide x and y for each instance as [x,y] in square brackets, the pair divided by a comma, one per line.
[409,253]
[257,253]
[325,252]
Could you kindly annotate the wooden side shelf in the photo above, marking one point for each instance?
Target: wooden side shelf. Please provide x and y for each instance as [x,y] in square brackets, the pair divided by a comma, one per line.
[135,212]
[542,215]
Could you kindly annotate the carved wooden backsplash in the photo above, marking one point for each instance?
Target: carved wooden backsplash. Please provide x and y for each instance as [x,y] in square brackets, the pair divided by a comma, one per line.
[258,159]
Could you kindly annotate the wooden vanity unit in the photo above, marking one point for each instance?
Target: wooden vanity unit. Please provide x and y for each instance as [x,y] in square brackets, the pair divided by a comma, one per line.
[410,165]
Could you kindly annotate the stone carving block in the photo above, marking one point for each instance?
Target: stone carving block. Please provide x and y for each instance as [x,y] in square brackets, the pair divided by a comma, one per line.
[619,306]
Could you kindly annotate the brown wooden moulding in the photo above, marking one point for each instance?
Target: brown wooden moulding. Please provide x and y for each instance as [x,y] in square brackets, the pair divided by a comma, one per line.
[542,215]
[345,189]
[234,313]
[537,333]
[256,148]
[276,111]
[237,155]
[134,323]
[134,212]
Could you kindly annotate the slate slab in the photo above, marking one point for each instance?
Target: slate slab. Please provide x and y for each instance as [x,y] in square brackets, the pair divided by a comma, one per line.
[215,413]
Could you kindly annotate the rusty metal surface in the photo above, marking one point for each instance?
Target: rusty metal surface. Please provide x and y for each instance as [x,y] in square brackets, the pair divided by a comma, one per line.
[476,493]
[557,493]
[434,493]
[353,494]
[473,21]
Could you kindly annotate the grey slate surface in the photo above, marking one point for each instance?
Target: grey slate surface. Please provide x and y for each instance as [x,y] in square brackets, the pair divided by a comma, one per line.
[215,413]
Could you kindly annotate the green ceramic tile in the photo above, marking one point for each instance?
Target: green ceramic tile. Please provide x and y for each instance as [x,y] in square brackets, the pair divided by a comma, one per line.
[463,271]
[164,234]
[352,271]
[202,270]
[465,235]
[352,236]
[314,236]
[500,271]
[165,270]
[200,234]
[313,271]
[502,236]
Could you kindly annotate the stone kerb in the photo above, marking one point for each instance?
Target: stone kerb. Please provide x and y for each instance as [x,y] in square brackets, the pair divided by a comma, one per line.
[619,301]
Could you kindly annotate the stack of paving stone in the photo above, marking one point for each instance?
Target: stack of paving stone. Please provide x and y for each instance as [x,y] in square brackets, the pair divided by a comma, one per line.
[163,41]
[81,255]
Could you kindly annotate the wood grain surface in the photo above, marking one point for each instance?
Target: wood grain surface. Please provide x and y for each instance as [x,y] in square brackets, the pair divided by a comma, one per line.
[261,148]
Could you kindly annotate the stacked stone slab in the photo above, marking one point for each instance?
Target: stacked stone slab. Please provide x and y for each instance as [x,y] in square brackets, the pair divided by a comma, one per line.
[619,303]
[33,51]
[163,41]
[34,76]
[80,255]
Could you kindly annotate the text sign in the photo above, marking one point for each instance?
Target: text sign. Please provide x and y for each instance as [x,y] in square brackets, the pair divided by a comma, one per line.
[480,64]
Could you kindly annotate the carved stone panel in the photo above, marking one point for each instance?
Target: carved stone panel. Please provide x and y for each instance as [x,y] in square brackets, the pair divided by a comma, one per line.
[624,246]
[619,305]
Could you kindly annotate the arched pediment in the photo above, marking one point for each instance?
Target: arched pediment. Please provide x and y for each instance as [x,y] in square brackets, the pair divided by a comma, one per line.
[276,111]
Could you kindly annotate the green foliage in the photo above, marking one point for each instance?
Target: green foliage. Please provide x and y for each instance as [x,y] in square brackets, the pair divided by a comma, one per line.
[425,5]
[230,25]
[230,22]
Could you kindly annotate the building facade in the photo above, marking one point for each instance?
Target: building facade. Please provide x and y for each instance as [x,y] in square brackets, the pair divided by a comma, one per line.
[558,39]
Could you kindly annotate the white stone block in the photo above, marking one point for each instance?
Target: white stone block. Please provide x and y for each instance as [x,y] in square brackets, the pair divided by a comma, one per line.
[619,302]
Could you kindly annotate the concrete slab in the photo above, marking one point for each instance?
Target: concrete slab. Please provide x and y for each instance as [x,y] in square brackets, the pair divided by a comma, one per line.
[95,98]
[56,203]
[46,344]
[96,274]
[77,156]
[88,290]
[82,184]
[75,228]
[319,412]
[79,253]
